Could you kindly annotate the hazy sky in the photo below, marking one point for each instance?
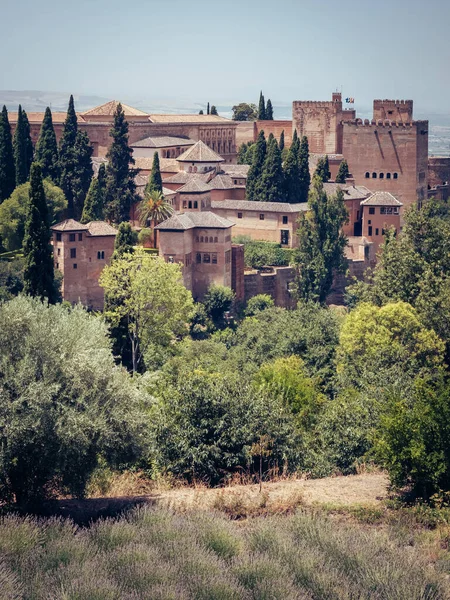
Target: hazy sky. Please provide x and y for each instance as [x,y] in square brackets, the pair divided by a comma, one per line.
[226,51]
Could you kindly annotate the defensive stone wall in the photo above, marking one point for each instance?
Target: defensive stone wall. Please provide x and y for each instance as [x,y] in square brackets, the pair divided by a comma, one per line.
[438,170]
[275,283]
[399,110]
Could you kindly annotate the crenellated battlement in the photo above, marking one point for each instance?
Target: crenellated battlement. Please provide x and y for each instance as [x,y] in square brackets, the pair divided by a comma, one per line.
[383,123]
[400,102]
[314,103]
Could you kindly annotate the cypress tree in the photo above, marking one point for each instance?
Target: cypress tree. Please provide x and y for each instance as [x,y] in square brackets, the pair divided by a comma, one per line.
[214,110]
[120,185]
[269,110]
[343,172]
[67,158]
[293,188]
[39,277]
[94,205]
[23,148]
[323,169]
[7,168]
[272,179]
[47,149]
[303,159]
[83,172]
[256,168]
[261,108]
[125,240]
[281,144]
[155,180]
[207,109]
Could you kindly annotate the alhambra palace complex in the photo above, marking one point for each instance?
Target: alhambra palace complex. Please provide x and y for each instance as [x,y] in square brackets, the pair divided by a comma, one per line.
[387,157]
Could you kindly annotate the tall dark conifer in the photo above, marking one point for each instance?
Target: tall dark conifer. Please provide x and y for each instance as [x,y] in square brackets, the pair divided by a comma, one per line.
[269,110]
[39,278]
[67,158]
[214,110]
[272,179]
[261,108]
[29,143]
[207,109]
[47,149]
[292,173]
[256,168]
[281,143]
[343,172]
[120,184]
[23,148]
[323,169]
[7,169]
[303,159]
[94,205]
[83,172]
[155,180]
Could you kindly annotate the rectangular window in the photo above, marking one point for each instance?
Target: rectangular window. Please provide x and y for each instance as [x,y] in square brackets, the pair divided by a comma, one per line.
[197,239]
[57,265]
[58,237]
[228,257]
[71,237]
[184,203]
[261,217]
[285,220]
[239,215]
[370,230]
[376,231]
[59,251]
[187,260]
[214,258]
[371,210]
[357,215]
[75,266]
[284,237]
[198,258]
[206,258]
[80,237]
[73,253]
[369,221]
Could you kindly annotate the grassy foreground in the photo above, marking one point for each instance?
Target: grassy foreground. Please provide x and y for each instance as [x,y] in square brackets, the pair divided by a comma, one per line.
[154,553]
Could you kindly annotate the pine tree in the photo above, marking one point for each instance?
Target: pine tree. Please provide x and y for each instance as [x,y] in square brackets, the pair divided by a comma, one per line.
[67,158]
[281,144]
[155,180]
[120,184]
[256,168]
[200,112]
[207,109]
[261,108]
[321,243]
[303,159]
[7,168]
[292,182]
[47,149]
[39,277]
[323,169]
[83,172]
[23,148]
[214,110]
[94,205]
[269,110]
[272,179]
[343,172]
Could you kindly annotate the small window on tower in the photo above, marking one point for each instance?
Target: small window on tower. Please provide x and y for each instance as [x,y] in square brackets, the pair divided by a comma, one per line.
[367,175]
[73,253]
[58,237]
[371,210]
[71,237]
[370,230]
[239,215]
[75,266]
[261,217]
[395,175]
[80,237]
[285,220]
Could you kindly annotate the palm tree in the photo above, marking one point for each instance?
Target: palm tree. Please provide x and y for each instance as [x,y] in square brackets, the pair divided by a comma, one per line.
[153,210]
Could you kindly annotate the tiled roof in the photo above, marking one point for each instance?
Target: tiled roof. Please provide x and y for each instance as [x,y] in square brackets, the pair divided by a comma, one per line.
[351,192]
[183,177]
[38,117]
[279,207]
[169,165]
[200,152]
[109,108]
[236,170]
[69,225]
[162,142]
[101,228]
[190,119]
[221,182]
[183,221]
[194,186]
[381,199]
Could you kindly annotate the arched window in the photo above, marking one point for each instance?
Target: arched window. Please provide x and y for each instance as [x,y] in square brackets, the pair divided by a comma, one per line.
[367,175]
[201,239]
[381,175]
[190,204]
[216,239]
[388,175]
[195,204]
[210,240]
[190,169]
[195,169]
[374,175]
[395,175]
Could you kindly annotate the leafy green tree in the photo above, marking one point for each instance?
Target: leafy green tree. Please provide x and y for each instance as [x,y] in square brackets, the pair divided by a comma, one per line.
[153,209]
[67,158]
[261,108]
[292,181]
[244,112]
[23,148]
[343,172]
[83,172]
[323,169]
[305,177]
[94,205]
[120,184]
[11,278]
[200,112]
[258,303]
[217,301]
[149,294]
[281,143]
[272,178]
[321,243]
[155,180]
[256,169]
[13,212]
[39,274]
[269,110]
[125,240]
[214,110]
[60,417]
[7,168]
[47,149]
